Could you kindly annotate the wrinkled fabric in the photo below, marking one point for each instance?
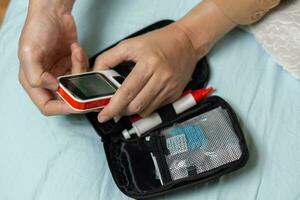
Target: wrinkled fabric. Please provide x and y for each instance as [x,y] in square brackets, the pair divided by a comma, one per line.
[279,33]
[62,157]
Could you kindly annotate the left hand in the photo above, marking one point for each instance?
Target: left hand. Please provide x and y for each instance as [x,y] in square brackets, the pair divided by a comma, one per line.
[48,48]
[165,61]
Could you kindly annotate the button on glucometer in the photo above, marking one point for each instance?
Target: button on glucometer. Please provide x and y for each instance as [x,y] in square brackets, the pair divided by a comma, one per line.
[120,79]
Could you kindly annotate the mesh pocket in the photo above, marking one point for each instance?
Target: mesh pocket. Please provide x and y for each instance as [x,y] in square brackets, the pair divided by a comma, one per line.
[201,144]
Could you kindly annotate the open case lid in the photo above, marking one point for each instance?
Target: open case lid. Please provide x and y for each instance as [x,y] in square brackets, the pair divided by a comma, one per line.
[199,79]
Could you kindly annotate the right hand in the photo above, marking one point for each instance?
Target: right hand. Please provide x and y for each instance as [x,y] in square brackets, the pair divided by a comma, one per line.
[48,48]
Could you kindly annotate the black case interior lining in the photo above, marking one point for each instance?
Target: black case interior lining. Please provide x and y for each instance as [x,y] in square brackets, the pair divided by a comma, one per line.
[130,161]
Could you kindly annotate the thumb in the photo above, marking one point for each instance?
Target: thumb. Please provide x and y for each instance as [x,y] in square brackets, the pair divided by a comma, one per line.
[79,59]
[113,57]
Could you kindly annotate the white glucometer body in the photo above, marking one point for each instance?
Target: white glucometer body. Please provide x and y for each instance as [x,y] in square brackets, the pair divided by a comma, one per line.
[89,91]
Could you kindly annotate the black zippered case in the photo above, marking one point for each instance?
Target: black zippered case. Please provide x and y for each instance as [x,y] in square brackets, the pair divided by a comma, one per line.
[164,159]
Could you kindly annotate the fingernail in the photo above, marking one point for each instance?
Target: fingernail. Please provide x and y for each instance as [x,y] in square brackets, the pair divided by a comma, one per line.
[103,119]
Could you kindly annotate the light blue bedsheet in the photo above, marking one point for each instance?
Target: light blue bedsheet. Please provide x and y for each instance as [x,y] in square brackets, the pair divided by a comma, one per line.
[62,158]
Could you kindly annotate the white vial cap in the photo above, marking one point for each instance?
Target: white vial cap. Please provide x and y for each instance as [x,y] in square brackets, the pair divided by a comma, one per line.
[126,134]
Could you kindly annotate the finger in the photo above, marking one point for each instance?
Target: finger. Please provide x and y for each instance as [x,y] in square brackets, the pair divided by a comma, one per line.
[132,85]
[160,100]
[113,57]
[70,25]
[79,59]
[56,107]
[44,99]
[146,96]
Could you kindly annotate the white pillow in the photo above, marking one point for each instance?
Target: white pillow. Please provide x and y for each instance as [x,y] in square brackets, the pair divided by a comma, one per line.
[279,33]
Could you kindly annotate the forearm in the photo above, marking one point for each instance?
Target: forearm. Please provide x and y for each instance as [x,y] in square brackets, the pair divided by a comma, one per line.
[212,19]
[245,12]
[52,5]
[204,25]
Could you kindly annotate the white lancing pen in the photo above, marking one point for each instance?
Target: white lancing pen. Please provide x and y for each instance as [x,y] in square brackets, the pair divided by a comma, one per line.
[187,101]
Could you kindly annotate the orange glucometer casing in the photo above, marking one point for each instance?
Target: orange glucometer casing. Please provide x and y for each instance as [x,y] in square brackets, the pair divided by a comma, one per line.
[89,91]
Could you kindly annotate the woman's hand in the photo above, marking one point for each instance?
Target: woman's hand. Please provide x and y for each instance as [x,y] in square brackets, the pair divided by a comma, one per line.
[48,48]
[165,60]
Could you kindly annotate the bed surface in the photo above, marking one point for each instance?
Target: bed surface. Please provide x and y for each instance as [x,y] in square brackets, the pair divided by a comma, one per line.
[62,157]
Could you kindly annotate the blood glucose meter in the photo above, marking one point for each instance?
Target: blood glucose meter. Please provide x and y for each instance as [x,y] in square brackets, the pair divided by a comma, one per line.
[90,90]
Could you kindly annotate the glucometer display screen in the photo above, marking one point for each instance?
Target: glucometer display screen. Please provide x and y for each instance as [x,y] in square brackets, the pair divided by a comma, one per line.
[89,86]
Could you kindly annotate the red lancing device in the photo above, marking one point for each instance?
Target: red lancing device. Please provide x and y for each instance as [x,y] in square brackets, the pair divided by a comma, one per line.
[188,100]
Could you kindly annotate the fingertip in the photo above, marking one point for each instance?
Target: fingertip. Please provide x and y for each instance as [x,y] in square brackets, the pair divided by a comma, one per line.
[79,54]
[107,113]
[103,117]
[74,45]
[79,59]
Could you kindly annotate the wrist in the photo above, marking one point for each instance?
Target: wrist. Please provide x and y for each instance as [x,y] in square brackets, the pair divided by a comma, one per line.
[183,40]
[205,25]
